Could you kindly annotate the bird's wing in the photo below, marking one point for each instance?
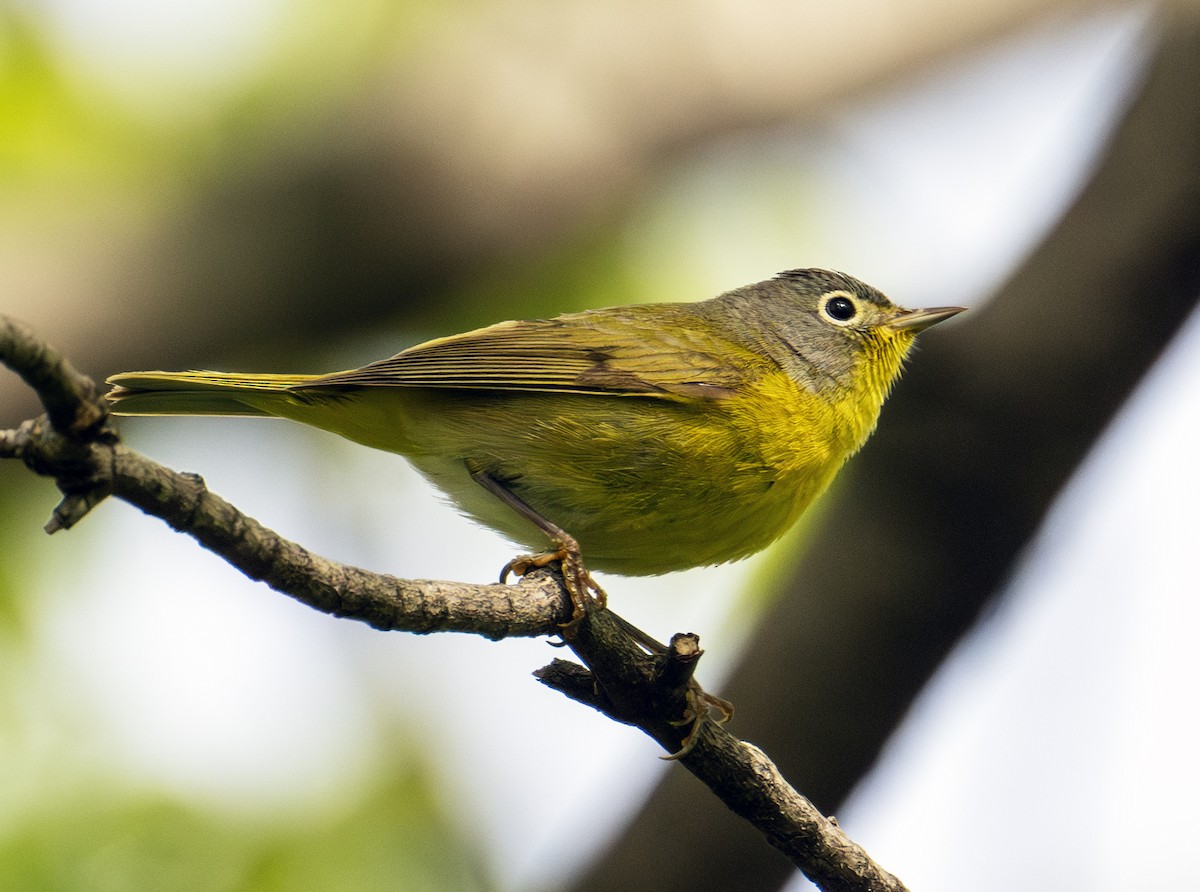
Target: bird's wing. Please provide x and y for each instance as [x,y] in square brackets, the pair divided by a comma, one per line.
[627,351]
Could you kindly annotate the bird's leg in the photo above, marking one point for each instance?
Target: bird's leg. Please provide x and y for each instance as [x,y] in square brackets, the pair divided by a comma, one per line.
[583,588]
[586,593]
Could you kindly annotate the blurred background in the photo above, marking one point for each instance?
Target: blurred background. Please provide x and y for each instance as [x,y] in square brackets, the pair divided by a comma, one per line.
[980,651]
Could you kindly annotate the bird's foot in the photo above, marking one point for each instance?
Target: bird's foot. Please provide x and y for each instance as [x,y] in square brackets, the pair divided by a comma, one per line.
[586,594]
[700,706]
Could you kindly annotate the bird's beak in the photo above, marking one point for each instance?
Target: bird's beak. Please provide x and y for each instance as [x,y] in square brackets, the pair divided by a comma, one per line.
[919,320]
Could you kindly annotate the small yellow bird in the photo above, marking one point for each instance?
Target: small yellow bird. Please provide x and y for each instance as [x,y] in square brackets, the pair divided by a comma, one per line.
[649,438]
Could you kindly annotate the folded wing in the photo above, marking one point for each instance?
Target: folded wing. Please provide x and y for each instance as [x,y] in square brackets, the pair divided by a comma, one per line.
[626,352]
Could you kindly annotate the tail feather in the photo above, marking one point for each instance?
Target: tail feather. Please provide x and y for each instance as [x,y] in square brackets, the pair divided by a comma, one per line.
[197,393]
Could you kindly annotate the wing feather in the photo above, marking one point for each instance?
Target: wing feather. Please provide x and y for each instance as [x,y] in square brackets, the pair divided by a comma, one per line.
[622,351]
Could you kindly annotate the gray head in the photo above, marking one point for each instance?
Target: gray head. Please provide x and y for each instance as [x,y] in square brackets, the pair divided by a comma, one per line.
[829,330]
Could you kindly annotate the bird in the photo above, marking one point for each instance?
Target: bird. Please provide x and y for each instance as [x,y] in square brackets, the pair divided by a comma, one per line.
[636,440]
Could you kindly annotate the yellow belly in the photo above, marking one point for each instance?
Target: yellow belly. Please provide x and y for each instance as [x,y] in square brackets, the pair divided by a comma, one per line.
[645,485]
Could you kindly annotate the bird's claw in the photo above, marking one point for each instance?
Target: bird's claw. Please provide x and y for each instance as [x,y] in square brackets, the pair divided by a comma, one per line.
[586,594]
[700,705]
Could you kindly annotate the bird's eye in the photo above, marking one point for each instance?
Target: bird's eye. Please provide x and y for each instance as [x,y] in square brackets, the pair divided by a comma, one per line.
[839,308]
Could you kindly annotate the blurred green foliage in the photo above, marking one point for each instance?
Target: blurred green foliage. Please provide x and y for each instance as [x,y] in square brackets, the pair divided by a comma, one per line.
[66,134]
[69,146]
[109,838]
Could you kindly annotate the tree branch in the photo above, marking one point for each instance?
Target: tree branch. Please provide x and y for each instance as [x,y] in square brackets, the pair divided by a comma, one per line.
[75,445]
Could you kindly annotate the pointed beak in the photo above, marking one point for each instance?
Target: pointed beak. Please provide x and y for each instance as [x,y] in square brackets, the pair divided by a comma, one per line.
[919,320]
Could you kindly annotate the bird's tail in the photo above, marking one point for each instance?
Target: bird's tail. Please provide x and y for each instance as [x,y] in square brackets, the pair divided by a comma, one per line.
[200,393]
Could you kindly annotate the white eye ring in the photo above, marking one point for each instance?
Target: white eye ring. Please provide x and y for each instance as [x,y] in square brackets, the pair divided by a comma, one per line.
[838,307]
